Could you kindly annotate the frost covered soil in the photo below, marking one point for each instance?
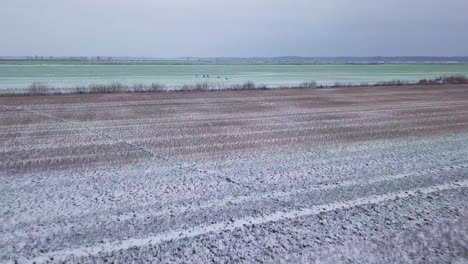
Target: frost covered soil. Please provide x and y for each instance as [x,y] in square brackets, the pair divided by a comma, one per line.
[365,175]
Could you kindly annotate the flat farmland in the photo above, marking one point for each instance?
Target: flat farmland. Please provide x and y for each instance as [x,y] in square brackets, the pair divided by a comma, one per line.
[288,175]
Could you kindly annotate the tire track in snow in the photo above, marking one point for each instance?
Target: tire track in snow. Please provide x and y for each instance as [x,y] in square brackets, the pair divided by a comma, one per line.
[113,246]
[279,194]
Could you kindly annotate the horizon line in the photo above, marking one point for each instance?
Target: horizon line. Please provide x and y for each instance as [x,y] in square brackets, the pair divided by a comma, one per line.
[227,57]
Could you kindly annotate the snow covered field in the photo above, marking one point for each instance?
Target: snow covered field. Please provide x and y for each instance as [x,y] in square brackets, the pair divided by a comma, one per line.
[359,175]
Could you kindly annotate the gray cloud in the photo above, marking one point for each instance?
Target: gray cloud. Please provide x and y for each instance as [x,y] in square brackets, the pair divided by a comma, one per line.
[233,28]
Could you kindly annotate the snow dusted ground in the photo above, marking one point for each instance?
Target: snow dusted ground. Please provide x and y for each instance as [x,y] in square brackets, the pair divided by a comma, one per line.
[368,175]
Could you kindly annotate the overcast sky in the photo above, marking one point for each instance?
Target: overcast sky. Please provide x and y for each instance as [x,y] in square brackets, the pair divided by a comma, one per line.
[239,28]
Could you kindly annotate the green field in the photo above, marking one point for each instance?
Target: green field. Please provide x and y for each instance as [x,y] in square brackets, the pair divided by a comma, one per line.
[65,74]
